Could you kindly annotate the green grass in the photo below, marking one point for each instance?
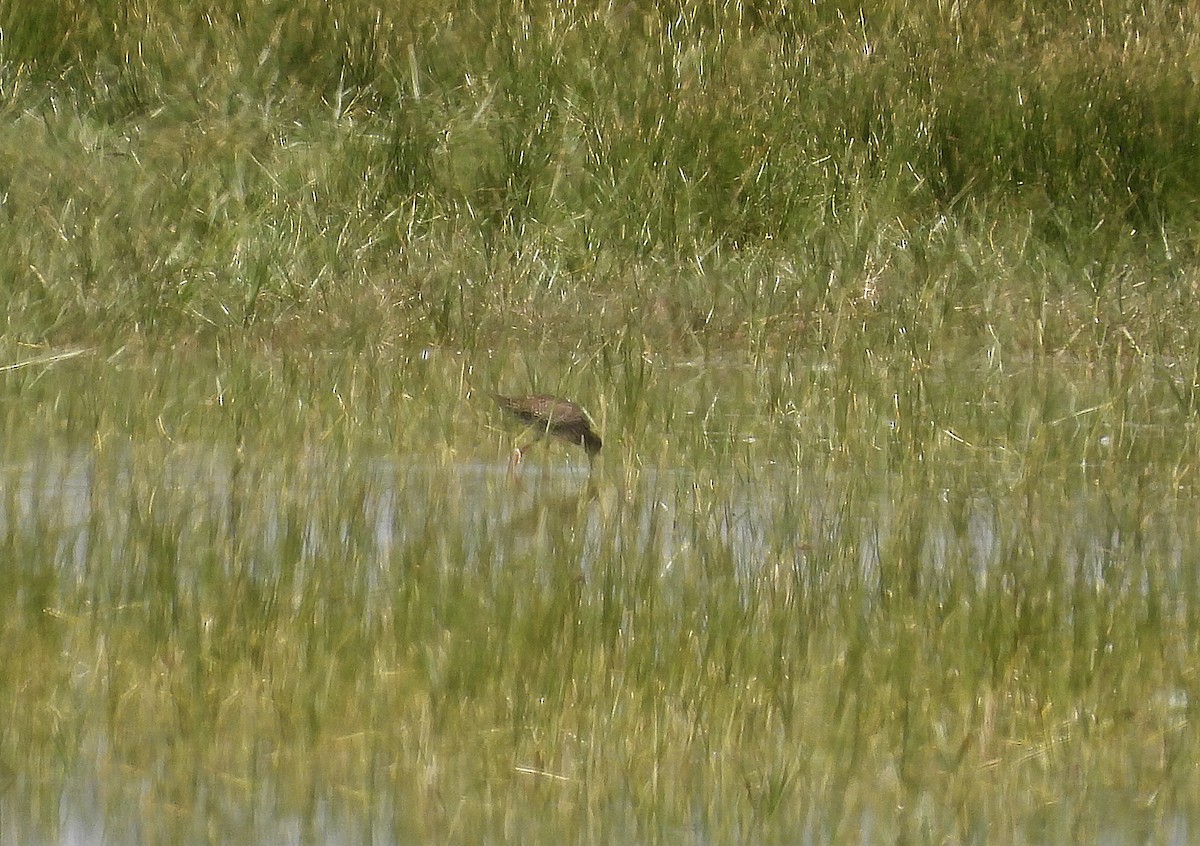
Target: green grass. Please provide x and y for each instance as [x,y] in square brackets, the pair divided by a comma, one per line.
[468,175]
[886,313]
[763,623]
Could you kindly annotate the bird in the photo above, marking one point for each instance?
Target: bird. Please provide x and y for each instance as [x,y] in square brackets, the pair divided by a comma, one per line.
[554,416]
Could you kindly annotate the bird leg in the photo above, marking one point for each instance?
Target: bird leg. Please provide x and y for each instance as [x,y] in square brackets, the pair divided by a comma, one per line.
[517,455]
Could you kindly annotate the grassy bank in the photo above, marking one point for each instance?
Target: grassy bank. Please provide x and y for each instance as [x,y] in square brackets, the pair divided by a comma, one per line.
[466,176]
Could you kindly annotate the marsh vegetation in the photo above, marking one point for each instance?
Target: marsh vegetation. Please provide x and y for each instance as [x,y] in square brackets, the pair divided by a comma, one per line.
[887,317]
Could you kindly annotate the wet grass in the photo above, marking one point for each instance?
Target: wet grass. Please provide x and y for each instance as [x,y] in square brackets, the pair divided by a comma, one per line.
[971,616]
[887,317]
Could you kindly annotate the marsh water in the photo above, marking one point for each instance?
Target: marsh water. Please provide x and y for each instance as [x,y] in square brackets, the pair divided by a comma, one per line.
[212,639]
[766,518]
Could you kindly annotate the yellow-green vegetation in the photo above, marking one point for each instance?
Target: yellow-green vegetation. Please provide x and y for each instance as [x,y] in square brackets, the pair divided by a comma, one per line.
[886,312]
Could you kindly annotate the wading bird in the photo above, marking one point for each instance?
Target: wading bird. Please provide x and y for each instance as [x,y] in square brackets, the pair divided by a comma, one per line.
[552,416]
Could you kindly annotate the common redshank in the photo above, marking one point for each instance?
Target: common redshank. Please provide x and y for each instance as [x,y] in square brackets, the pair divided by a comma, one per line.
[554,416]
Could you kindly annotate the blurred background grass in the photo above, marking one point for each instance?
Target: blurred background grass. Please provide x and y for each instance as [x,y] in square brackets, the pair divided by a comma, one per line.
[462,174]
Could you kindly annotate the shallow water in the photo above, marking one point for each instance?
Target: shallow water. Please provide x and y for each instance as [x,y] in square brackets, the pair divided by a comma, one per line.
[779,517]
[172,593]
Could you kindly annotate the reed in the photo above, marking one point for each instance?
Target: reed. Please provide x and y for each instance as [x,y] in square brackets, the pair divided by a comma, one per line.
[887,320]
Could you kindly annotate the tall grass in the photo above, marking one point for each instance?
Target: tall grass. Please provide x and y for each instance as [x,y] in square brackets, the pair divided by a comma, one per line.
[886,313]
[321,599]
[459,172]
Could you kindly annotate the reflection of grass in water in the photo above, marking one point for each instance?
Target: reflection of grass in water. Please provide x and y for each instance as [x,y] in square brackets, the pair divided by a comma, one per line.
[243,630]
